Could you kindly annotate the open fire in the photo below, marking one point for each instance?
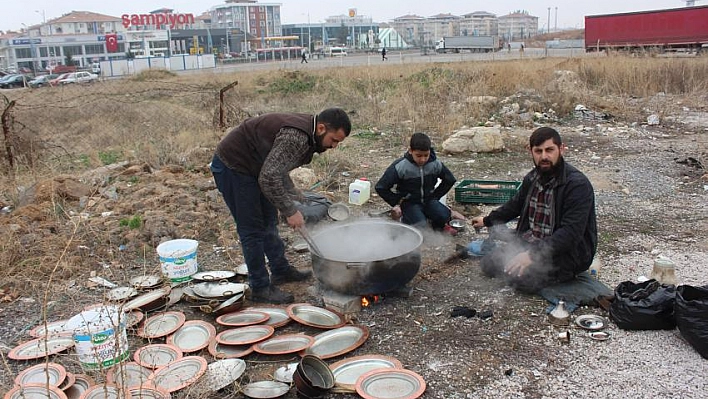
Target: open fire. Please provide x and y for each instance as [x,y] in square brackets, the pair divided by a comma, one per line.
[368,300]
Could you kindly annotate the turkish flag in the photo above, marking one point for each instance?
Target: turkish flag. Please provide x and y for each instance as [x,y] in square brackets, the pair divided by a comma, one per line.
[112,42]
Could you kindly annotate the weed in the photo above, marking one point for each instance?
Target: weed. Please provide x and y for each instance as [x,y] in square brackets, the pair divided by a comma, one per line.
[133,223]
[108,157]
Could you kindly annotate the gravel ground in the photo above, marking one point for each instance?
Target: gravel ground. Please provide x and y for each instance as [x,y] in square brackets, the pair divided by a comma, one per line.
[648,205]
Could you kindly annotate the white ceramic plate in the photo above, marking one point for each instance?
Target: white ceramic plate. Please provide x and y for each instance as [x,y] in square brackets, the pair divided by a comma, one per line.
[179,374]
[149,300]
[283,344]
[221,373]
[314,316]
[128,374]
[244,335]
[242,318]
[347,371]
[38,348]
[157,355]
[161,324]
[37,374]
[337,342]
[278,316]
[265,389]
[192,336]
[390,383]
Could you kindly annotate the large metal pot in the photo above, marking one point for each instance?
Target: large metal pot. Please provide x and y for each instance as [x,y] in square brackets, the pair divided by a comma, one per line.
[367,257]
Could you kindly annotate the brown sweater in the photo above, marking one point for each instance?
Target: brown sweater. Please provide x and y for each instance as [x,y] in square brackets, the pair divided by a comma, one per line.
[269,147]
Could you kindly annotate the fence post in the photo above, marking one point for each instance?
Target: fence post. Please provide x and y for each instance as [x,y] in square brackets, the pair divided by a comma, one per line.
[6,134]
[222,122]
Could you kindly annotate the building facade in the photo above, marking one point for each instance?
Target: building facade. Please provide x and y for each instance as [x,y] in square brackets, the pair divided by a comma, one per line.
[258,20]
[479,23]
[518,25]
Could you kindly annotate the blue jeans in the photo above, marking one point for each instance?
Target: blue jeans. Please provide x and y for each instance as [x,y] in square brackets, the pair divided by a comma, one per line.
[256,223]
[417,214]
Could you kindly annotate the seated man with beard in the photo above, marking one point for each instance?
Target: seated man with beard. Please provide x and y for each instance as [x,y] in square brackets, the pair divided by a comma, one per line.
[556,235]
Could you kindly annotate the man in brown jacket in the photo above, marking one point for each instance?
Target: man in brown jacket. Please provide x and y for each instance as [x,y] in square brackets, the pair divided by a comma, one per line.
[251,170]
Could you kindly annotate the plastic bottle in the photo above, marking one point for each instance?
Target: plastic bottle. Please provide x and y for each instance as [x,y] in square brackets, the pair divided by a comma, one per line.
[594,269]
[359,191]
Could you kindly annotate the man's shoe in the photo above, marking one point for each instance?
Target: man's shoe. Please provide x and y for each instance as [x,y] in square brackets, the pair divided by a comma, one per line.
[271,294]
[290,275]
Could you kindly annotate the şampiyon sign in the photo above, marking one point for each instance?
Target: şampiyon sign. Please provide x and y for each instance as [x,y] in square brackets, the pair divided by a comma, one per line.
[157,19]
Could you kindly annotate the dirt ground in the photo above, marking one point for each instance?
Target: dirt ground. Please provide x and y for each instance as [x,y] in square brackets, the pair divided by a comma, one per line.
[639,174]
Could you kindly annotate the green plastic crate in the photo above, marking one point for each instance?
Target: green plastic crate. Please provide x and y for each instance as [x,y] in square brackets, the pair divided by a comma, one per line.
[485,191]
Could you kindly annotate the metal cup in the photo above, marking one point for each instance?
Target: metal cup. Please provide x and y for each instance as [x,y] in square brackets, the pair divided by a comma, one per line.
[564,337]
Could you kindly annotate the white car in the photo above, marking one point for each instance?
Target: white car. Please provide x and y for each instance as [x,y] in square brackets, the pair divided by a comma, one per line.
[79,77]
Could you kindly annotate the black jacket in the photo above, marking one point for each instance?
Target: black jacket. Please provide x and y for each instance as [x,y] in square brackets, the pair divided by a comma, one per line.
[574,240]
[404,179]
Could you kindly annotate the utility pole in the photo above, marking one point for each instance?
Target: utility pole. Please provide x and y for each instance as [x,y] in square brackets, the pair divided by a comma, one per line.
[309,36]
[548,26]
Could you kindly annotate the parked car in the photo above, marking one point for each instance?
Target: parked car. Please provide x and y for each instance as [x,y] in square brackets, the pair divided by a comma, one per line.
[11,81]
[62,68]
[79,77]
[42,80]
[55,81]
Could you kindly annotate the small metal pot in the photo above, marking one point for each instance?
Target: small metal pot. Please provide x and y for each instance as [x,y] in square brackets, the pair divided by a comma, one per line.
[312,377]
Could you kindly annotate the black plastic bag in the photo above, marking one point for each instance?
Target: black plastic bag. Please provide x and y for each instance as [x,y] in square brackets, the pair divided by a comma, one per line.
[691,311]
[644,306]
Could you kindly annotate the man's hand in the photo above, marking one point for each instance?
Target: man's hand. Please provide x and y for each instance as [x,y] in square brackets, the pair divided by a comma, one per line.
[296,220]
[396,213]
[518,264]
[478,222]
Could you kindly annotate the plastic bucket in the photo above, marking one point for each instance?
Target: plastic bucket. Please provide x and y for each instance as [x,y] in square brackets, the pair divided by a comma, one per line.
[100,339]
[178,259]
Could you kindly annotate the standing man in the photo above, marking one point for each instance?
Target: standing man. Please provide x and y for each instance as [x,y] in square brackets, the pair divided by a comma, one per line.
[556,235]
[251,170]
[383,54]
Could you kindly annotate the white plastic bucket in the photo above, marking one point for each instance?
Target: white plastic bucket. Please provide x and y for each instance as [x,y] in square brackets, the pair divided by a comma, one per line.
[100,339]
[178,259]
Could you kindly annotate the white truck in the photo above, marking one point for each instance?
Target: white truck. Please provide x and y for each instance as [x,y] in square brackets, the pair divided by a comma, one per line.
[475,44]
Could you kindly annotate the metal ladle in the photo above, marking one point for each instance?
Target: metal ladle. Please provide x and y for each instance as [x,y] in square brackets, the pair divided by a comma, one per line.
[308,239]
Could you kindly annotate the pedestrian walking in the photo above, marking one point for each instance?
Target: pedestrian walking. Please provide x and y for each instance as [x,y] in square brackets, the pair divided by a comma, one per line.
[383,54]
[304,57]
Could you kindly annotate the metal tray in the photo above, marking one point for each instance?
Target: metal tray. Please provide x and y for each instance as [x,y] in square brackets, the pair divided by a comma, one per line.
[148,301]
[242,318]
[591,322]
[219,351]
[244,335]
[347,371]
[265,389]
[216,290]
[315,316]
[192,336]
[128,374]
[283,344]
[157,355]
[179,374]
[161,324]
[389,383]
[37,374]
[41,347]
[337,342]
[215,275]
[278,315]
[221,373]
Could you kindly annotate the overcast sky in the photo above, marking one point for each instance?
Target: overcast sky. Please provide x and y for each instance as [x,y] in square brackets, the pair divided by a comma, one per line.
[569,13]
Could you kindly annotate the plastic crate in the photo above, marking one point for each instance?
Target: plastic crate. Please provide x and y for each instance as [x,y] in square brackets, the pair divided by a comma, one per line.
[485,191]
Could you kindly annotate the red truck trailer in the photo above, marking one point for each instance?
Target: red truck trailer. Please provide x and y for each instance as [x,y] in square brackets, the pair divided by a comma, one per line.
[672,29]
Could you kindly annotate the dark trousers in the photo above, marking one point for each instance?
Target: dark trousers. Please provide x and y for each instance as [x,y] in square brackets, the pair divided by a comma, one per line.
[256,223]
[537,276]
[417,214]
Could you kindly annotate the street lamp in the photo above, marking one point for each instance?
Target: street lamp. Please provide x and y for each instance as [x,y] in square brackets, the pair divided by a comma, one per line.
[44,20]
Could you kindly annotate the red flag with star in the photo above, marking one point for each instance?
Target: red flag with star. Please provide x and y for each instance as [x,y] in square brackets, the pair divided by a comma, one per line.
[112,42]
